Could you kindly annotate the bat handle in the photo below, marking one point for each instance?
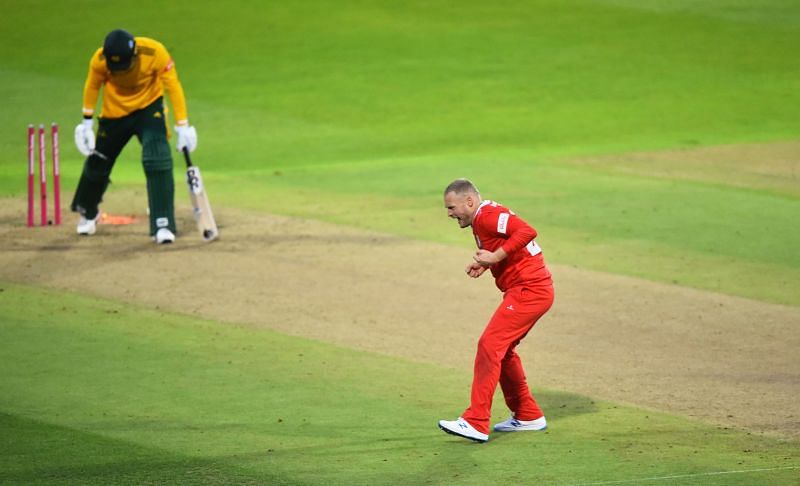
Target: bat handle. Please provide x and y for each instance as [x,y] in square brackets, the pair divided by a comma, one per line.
[186,156]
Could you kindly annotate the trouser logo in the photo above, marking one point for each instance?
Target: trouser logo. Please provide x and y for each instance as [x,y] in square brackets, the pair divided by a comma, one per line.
[162,222]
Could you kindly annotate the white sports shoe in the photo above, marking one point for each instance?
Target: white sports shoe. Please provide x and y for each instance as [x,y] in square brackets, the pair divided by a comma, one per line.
[163,236]
[514,425]
[87,227]
[462,428]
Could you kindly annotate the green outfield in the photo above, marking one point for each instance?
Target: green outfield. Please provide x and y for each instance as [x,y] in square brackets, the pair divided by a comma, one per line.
[381,103]
[358,114]
[150,396]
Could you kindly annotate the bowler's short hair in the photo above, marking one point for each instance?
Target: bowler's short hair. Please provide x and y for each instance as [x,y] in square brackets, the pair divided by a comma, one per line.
[461,186]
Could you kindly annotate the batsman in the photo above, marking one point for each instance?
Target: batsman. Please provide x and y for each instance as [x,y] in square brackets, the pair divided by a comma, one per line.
[134,72]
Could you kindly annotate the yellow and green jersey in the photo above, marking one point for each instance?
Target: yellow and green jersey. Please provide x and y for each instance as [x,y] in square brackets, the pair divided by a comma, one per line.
[151,72]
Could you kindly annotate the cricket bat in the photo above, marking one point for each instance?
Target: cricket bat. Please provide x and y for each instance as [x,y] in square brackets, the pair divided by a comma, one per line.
[200,205]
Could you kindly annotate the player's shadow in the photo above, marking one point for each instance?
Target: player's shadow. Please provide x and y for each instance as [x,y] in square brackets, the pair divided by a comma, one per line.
[557,406]
[563,404]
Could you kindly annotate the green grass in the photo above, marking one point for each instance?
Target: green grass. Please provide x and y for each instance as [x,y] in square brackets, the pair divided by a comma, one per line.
[97,391]
[359,113]
[384,103]
[705,235]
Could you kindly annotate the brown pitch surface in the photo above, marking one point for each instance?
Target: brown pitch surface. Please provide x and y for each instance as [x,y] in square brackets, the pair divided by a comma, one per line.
[726,360]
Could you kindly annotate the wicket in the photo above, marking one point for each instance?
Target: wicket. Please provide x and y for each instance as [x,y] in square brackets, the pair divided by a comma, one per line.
[43,175]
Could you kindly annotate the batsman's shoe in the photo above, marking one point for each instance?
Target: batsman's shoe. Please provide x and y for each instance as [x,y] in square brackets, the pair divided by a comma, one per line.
[514,425]
[164,236]
[462,428]
[87,227]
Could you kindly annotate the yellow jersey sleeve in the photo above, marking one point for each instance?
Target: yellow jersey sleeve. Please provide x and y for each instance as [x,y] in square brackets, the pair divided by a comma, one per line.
[152,72]
[95,79]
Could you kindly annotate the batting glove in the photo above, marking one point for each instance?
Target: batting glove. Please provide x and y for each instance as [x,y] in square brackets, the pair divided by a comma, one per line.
[187,137]
[84,136]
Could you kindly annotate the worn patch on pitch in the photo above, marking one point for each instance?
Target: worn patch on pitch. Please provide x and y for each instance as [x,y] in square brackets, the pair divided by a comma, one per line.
[727,360]
[767,166]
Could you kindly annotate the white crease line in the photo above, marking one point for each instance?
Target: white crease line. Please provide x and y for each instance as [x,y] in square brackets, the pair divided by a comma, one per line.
[680,476]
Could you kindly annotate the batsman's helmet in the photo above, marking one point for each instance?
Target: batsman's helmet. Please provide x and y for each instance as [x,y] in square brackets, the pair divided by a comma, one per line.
[118,49]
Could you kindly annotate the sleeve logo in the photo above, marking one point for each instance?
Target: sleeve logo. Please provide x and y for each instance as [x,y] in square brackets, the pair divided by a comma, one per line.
[502,223]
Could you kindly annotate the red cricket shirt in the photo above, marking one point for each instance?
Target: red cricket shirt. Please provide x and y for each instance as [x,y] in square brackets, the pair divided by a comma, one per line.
[496,226]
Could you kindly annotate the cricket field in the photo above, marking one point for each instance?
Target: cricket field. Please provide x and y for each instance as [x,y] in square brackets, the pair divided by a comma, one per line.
[655,147]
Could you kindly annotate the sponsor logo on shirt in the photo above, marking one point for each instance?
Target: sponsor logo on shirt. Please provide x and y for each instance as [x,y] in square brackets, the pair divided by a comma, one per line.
[533,248]
[502,223]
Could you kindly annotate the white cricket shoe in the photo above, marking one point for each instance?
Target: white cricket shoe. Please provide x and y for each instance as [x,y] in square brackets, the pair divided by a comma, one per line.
[462,428]
[163,236]
[87,227]
[514,425]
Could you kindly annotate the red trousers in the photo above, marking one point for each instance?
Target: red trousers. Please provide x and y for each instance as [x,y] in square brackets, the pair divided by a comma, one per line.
[496,361]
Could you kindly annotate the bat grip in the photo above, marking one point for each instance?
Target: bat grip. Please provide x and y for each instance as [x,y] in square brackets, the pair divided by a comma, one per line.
[186,156]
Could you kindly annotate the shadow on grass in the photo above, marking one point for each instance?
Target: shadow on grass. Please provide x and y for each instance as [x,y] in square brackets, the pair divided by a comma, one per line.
[34,452]
[559,405]
[459,460]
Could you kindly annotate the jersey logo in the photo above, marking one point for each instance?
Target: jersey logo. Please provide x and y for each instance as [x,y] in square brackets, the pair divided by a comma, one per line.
[502,223]
[170,65]
[533,248]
